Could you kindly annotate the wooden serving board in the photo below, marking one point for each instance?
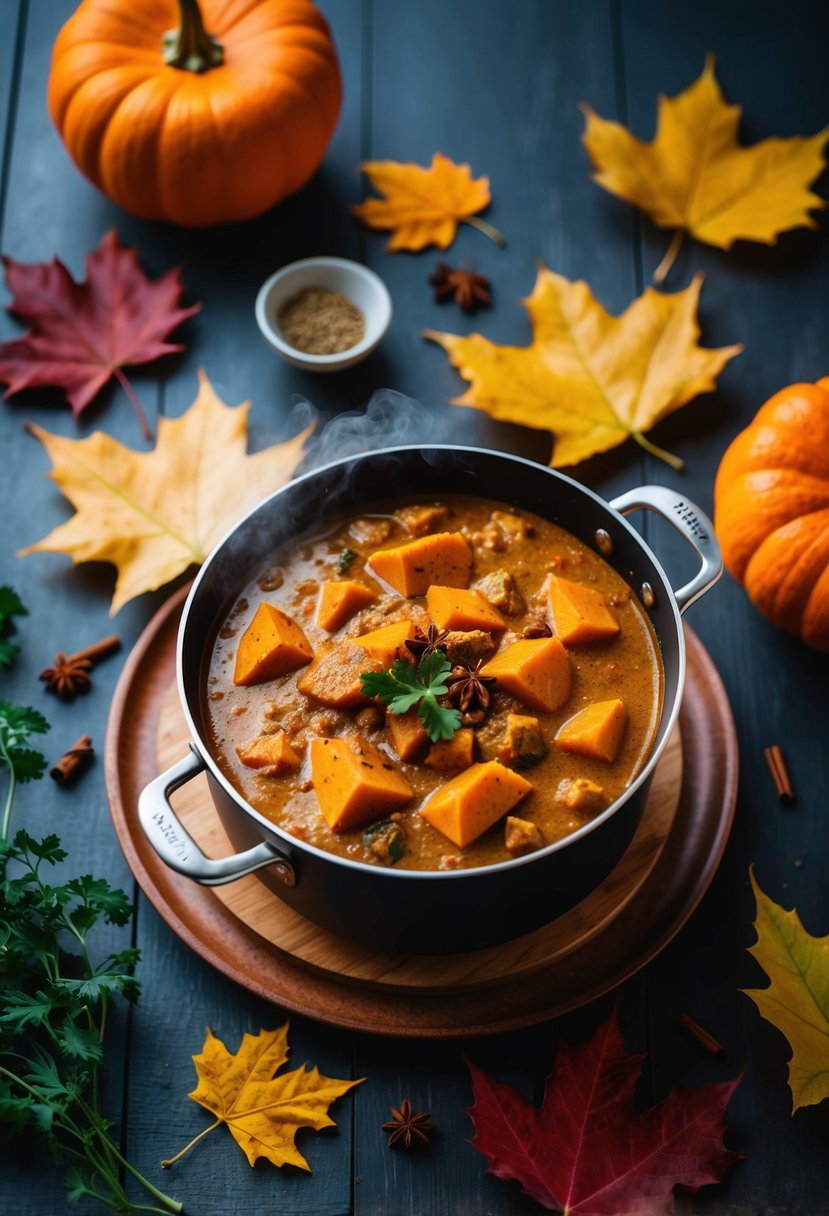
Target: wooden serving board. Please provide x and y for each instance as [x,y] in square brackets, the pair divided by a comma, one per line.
[245,931]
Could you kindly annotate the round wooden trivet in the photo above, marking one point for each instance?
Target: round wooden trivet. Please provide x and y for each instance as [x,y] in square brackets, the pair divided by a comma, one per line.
[667,872]
[254,904]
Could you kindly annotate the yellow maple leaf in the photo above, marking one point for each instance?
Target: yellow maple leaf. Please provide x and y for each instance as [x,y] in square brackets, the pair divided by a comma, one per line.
[153,514]
[696,177]
[591,379]
[262,1112]
[424,206]
[797,998]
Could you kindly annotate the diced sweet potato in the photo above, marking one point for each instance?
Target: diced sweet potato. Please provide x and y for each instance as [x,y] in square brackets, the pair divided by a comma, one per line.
[387,643]
[443,557]
[468,648]
[457,608]
[523,744]
[355,782]
[334,677]
[339,601]
[471,802]
[580,613]
[457,752]
[272,754]
[407,734]
[272,645]
[535,670]
[521,836]
[501,590]
[581,794]
[422,518]
[596,731]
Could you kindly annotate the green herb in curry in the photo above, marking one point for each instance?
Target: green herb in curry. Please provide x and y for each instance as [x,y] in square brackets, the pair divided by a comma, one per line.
[404,686]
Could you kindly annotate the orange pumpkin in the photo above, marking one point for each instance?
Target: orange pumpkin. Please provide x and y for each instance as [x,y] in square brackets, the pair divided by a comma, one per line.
[190,119]
[771,510]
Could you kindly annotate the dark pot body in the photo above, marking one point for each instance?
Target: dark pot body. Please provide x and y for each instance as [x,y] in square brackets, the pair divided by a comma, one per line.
[400,910]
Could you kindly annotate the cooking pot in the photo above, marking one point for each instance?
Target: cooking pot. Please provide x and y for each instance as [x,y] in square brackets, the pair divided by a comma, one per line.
[411,910]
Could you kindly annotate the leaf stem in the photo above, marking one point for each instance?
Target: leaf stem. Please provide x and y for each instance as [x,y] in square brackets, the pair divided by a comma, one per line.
[486,228]
[172,1160]
[661,272]
[7,809]
[146,430]
[674,461]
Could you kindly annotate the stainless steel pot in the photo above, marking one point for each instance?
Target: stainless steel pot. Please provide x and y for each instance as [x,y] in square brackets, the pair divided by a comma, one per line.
[408,910]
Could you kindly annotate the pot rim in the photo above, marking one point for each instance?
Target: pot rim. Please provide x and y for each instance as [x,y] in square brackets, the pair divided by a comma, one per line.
[293,842]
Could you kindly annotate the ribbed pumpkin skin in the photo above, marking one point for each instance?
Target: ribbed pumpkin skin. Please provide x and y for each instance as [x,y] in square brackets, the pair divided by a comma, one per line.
[771,510]
[204,149]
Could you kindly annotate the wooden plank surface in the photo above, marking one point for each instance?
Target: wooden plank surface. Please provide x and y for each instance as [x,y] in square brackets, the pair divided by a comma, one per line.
[497,85]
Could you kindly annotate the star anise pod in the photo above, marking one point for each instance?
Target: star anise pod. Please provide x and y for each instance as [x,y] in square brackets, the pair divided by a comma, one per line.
[424,644]
[407,1128]
[468,689]
[69,675]
[465,287]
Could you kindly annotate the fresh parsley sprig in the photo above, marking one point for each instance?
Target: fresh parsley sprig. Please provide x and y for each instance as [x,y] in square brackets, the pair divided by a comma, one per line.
[10,606]
[53,999]
[405,686]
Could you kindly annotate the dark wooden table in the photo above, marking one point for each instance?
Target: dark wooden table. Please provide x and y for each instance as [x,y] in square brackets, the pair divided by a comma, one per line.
[498,85]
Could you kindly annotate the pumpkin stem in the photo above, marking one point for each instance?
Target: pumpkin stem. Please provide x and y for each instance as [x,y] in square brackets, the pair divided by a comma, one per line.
[190,47]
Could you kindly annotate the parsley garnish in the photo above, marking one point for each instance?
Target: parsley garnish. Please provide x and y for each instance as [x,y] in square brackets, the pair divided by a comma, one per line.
[345,559]
[10,605]
[404,686]
[53,1002]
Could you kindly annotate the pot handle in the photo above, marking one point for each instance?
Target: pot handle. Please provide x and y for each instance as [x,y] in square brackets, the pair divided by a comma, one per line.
[690,522]
[177,848]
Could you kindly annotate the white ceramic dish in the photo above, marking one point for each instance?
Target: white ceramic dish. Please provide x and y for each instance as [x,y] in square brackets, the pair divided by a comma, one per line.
[351,279]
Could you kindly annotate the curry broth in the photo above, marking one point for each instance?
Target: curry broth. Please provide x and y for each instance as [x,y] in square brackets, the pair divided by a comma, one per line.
[532,549]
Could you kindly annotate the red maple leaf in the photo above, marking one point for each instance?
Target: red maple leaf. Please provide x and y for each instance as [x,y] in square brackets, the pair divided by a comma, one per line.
[585,1151]
[82,334]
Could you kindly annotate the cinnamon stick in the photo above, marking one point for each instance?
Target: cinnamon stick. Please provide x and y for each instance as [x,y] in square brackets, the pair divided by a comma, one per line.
[779,772]
[98,650]
[701,1035]
[73,762]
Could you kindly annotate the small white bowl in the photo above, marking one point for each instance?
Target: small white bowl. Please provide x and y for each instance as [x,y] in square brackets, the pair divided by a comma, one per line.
[359,284]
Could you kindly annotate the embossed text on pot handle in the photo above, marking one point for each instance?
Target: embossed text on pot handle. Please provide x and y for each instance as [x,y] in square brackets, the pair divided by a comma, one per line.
[177,848]
[690,522]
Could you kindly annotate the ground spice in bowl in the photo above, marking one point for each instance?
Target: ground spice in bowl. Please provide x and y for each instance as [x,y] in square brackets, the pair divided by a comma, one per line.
[320,322]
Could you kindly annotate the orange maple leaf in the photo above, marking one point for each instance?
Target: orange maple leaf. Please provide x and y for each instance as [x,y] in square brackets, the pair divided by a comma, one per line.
[696,177]
[591,379]
[262,1111]
[424,206]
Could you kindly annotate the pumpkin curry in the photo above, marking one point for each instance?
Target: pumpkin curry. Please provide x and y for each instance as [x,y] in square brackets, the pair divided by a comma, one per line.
[434,685]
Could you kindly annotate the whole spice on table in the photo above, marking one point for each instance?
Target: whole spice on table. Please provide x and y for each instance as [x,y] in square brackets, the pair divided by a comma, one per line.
[779,772]
[468,289]
[73,761]
[407,1128]
[702,1036]
[321,322]
[69,675]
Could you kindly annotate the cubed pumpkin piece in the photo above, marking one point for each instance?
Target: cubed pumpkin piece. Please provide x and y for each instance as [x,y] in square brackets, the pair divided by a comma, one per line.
[535,670]
[355,782]
[443,557]
[339,601]
[456,608]
[387,643]
[270,753]
[272,645]
[521,836]
[470,803]
[457,752]
[596,731]
[407,734]
[333,678]
[580,613]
